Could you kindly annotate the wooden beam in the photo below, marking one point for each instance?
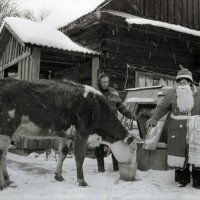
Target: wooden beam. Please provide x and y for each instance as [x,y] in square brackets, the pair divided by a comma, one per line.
[69,53]
[58,62]
[16,60]
[20,70]
[95,68]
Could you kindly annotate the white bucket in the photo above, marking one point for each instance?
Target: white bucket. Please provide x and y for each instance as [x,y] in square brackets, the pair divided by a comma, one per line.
[126,157]
[127,171]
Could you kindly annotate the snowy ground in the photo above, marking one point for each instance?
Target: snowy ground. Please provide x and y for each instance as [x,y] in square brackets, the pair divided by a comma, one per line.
[34,179]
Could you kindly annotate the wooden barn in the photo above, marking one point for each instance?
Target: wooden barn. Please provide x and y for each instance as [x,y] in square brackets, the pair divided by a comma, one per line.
[30,51]
[143,41]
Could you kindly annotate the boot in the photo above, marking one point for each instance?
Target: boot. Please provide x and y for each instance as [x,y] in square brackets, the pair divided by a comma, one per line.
[182,176]
[196,177]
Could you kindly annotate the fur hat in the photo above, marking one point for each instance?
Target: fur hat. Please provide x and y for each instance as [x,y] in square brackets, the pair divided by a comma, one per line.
[184,73]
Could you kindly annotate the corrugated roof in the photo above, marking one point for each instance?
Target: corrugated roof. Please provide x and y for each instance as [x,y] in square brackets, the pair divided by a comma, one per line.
[38,34]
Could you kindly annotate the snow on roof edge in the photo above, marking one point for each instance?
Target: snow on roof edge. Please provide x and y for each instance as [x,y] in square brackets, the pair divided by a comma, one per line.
[132,19]
[178,28]
[43,35]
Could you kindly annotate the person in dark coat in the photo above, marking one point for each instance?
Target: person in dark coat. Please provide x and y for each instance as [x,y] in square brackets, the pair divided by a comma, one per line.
[182,103]
[116,103]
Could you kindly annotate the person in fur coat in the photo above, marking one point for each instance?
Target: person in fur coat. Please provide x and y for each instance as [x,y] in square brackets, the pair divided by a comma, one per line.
[182,103]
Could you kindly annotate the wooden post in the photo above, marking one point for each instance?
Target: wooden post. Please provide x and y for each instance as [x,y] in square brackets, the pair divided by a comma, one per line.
[19,70]
[136,79]
[95,68]
[35,63]
[2,74]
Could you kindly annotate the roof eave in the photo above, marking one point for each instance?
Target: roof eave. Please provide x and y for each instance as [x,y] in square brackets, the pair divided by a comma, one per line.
[78,53]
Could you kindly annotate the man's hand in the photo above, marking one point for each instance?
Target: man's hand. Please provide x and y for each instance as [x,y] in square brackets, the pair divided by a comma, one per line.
[151,123]
[135,117]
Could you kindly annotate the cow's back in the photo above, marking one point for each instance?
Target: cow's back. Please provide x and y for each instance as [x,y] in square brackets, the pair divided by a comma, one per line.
[48,104]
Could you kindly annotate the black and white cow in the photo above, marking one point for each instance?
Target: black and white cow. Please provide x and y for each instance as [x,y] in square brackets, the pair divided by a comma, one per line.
[55,106]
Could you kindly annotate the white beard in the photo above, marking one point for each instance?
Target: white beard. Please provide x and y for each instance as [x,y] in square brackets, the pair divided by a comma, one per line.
[185,99]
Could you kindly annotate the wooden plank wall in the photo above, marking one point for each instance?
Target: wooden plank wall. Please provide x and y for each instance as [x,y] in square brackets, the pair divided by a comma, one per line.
[28,60]
[182,12]
[12,53]
[29,68]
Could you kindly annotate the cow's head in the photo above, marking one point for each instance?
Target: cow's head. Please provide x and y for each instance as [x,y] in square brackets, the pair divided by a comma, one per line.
[123,152]
[96,116]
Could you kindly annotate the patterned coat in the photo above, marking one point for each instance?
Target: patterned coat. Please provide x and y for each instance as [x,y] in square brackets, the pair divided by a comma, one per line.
[116,103]
[114,100]
[176,129]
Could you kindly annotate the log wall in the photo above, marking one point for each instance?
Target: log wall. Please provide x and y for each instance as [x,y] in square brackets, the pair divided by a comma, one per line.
[143,48]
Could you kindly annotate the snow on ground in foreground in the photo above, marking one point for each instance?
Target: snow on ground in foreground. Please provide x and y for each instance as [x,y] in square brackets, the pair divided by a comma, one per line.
[34,177]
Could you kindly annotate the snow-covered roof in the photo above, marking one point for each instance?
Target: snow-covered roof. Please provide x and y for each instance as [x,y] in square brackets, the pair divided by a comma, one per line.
[119,14]
[178,28]
[39,34]
[132,19]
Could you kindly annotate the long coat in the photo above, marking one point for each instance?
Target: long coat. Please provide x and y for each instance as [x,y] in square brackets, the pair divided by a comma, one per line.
[116,103]
[176,129]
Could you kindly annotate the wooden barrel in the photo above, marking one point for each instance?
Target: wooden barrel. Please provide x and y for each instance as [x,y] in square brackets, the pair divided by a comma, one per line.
[152,159]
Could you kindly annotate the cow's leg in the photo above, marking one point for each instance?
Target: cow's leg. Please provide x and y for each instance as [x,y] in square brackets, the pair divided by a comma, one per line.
[62,154]
[5,172]
[79,152]
[99,153]
[115,163]
[4,144]
[2,180]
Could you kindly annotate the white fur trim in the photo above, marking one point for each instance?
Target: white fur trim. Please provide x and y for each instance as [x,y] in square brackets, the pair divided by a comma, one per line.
[175,161]
[89,89]
[180,117]
[184,76]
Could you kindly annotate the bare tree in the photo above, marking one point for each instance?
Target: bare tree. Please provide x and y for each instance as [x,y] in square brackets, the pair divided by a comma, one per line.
[8,8]
[43,14]
[29,14]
